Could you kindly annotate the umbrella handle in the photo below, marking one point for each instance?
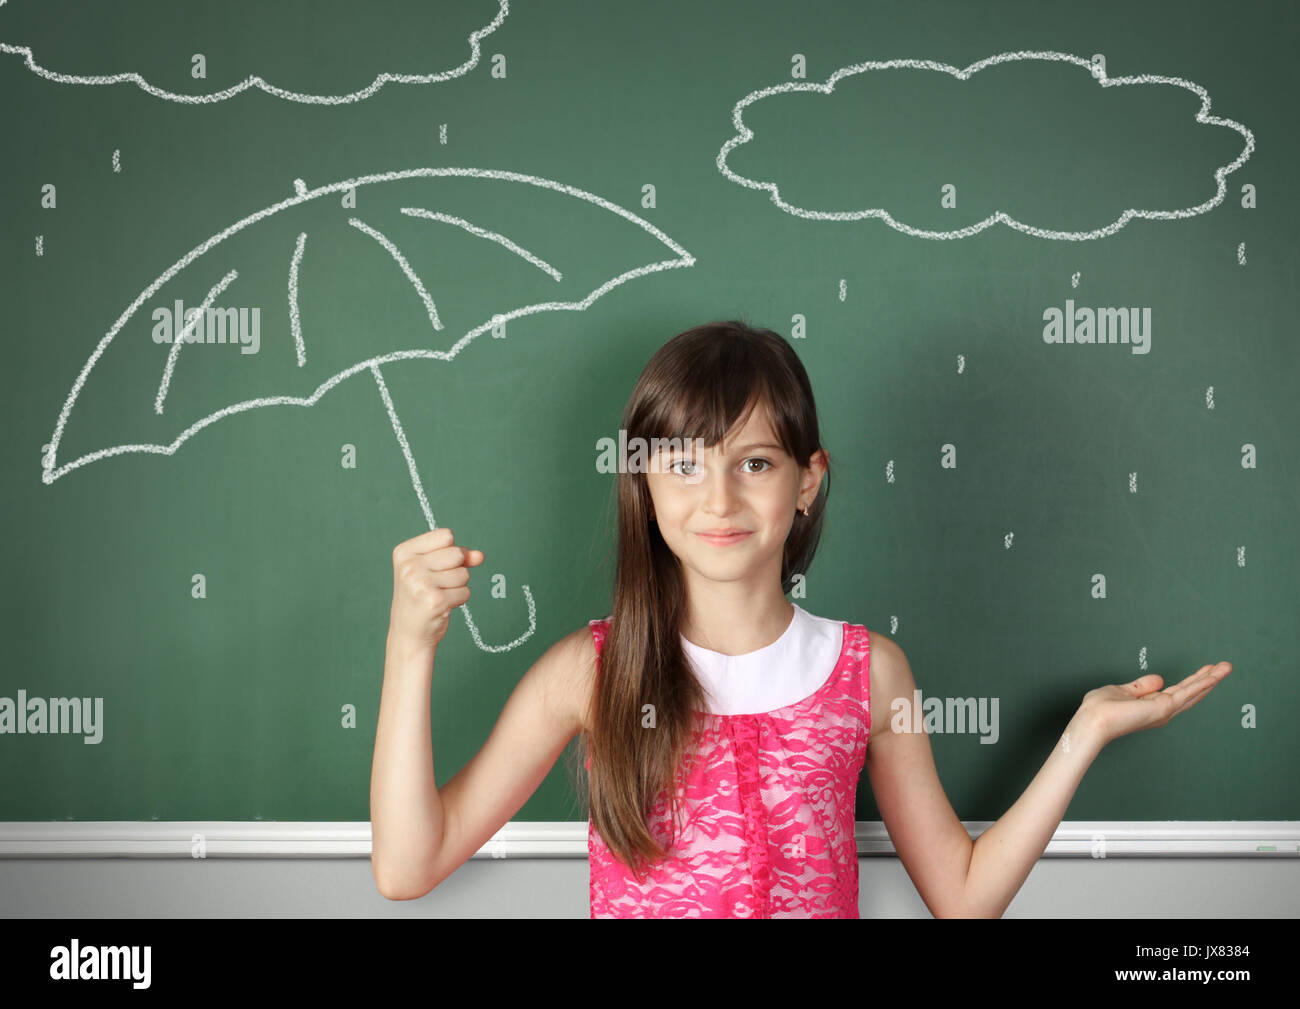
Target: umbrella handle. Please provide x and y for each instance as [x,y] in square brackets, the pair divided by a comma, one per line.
[428,517]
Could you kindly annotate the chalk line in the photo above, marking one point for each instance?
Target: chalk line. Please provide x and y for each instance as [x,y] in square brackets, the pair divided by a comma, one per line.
[254,81]
[405,446]
[178,339]
[494,236]
[743,135]
[295,323]
[393,251]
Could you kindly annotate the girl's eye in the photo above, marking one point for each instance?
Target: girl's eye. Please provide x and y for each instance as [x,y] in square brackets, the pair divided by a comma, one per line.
[688,462]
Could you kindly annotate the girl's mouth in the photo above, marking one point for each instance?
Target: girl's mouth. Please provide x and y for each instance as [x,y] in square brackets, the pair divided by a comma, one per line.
[724,539]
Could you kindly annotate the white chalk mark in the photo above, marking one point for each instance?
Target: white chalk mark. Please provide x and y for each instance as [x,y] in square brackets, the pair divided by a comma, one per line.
[1142,658]
[961,363]
[442,134]
[1241,557]
[257,82]
[393,251]
[117,161]
[51,473]
[299,186]
[1241,254]
[405,446]
[1133,482]
[743,135]
[844,288]
[1209,398]
[474,229]
[295,323]
[178,339]
[40,245]
[889,471]
[532,625]
[418,484]
[1007,540]
[1074,278]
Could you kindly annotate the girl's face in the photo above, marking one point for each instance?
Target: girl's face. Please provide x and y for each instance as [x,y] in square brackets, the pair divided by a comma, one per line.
[726,511]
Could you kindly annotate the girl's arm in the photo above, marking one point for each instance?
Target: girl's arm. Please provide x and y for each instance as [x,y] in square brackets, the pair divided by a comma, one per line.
[421,834]
[958,877]
[1005,853]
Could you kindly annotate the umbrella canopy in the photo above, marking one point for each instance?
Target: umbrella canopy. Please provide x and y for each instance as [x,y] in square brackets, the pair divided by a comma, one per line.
[309,248]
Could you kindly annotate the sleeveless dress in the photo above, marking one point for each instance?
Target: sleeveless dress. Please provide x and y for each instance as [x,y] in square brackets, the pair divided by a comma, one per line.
[767,811]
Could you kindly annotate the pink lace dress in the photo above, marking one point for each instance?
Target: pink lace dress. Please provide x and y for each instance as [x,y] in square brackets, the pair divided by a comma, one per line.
[767,811]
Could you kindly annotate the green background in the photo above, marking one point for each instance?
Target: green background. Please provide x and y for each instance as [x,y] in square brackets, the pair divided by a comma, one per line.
[229,707]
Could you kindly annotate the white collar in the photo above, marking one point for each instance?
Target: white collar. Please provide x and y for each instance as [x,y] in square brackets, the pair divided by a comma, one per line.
[793,667]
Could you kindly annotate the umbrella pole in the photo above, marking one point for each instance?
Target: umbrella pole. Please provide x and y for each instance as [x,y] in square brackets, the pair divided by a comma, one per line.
[428,517]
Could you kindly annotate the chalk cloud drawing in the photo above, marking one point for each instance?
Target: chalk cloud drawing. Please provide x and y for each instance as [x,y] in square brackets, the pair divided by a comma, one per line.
[255,81]
[744,135]
[298,252]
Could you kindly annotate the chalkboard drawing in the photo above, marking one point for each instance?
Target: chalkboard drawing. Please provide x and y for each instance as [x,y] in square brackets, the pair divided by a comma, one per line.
[347,16]
[879,148]
[318,254]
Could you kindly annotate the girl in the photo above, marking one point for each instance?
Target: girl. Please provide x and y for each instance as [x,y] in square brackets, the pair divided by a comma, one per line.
[725,728]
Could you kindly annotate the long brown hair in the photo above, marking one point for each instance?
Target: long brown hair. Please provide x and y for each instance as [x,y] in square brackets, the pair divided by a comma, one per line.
[699,384]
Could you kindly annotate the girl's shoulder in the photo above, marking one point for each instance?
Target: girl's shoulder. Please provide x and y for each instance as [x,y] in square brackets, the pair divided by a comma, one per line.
[890,675]
[568,668]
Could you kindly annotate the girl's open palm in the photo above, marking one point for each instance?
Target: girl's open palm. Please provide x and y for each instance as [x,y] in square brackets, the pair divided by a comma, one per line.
[1121,709]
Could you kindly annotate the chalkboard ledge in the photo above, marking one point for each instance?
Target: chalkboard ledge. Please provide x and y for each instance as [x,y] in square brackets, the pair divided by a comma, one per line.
[568,839]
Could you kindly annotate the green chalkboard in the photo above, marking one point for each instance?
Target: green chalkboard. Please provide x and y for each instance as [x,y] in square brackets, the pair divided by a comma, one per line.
[459,230]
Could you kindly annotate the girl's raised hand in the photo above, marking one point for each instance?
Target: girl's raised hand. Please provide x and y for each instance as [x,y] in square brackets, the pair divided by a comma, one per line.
[1118,710]
[430,579]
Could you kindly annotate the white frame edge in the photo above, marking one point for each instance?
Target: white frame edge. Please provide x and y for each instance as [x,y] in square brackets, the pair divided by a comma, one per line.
[568,839]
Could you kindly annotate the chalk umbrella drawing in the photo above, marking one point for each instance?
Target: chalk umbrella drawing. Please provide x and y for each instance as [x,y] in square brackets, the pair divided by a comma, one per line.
[616,231]
[256,81]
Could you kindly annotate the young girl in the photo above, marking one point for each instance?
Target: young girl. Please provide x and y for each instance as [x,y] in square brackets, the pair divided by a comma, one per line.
[725,727]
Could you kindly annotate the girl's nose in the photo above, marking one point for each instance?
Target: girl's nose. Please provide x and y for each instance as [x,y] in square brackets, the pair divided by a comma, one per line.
[720,495]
